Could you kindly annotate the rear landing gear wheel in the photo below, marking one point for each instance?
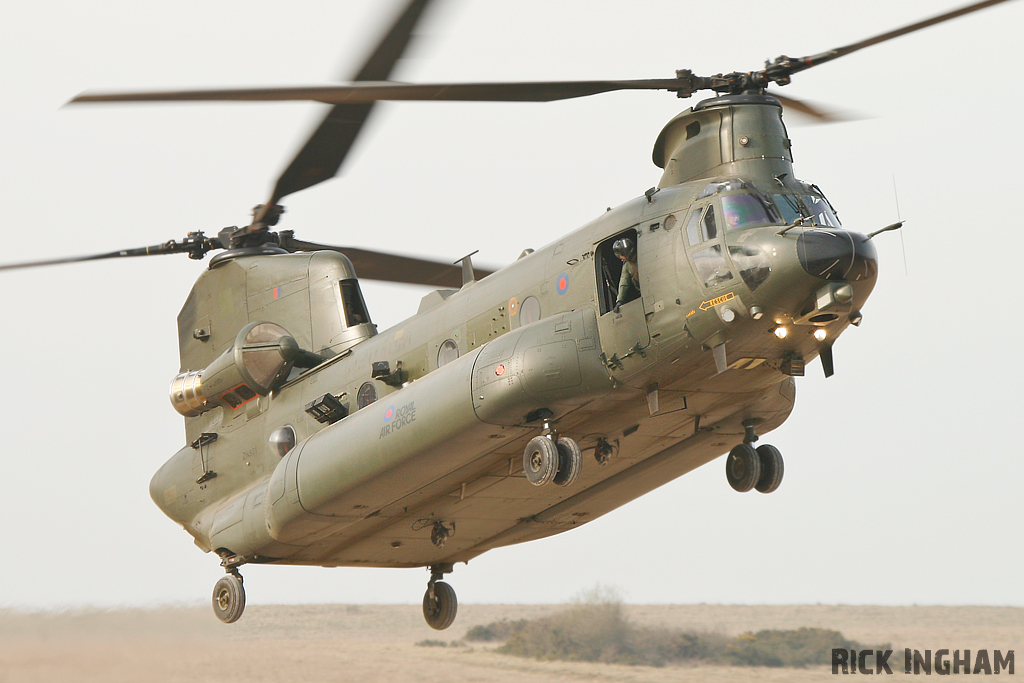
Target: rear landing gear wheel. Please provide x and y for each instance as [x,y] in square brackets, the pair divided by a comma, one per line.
[540,460]
[771,468]
[743,467]
[229,598]
[570,462]
[440,605]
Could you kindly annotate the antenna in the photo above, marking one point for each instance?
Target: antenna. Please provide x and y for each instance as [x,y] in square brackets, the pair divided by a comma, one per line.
[899,218]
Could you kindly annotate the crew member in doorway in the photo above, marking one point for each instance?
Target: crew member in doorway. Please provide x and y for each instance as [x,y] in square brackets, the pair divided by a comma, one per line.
[629,280]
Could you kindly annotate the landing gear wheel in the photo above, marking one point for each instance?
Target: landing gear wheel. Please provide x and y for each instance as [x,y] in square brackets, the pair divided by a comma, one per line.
[540,460]
[743,467]
[229,598]
[570,462]
[439,610]
[771,468]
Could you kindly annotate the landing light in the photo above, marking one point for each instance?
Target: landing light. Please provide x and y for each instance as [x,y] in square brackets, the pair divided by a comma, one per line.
[820,334]
[781,332]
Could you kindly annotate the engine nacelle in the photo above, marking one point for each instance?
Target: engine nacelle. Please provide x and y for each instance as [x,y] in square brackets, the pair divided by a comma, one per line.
[260,358]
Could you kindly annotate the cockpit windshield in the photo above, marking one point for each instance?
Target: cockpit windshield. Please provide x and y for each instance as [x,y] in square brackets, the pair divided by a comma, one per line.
[808,202]
[745,207]
[747,211]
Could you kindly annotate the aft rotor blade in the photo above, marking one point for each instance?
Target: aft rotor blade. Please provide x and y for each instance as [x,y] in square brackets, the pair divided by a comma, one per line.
[814,60]
[815,112]
[323,153]
[379,265]
[362,93]
[156,250]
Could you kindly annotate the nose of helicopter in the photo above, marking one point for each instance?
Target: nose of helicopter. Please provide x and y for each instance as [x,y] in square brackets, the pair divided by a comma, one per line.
[832,254]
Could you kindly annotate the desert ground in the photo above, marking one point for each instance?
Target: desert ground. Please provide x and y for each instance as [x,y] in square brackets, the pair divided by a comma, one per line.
[369,643]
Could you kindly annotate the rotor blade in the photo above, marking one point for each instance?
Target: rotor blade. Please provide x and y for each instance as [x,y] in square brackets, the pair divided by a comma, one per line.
[540,91]
[379,265]
[156,250]
[322,154]
[814,60]
[813,111]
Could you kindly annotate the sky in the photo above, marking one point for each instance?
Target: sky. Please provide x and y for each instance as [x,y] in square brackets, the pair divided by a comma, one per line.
[902,470]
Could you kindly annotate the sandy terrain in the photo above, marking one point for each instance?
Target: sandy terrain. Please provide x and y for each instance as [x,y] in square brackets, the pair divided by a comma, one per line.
[370,643]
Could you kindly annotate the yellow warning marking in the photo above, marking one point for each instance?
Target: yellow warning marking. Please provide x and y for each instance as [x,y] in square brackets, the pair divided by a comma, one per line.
[693,312]
[717,300]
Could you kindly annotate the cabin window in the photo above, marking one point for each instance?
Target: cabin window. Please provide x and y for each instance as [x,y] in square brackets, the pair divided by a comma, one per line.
[352,303]
[529,311]
[448,352]
[618,281]
[366,395]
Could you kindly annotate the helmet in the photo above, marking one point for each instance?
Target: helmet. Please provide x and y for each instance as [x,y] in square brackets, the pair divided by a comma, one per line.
[624,247]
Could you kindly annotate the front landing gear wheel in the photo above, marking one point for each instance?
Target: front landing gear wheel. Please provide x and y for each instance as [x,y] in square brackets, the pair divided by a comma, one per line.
[229,598]
[743,467]
[570,462]
[540,460]
[771,468]
[440,606]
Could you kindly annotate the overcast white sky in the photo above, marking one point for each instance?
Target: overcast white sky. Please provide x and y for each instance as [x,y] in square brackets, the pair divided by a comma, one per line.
[902,472]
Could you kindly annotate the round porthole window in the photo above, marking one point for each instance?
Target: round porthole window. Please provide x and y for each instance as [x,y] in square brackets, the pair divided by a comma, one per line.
[366,395]
[282,440]
[529,310]
[448,352]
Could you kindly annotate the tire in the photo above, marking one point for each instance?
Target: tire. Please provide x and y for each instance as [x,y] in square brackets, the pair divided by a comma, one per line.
[772,468]
[440,610]
[229,599]
[570,462]
[743,467]
[540,460]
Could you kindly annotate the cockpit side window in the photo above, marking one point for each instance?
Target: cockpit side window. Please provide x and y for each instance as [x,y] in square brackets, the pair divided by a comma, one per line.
[708,226]
[712,268]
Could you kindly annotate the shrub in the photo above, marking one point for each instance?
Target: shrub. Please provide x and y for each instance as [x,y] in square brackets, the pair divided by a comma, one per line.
[595,629]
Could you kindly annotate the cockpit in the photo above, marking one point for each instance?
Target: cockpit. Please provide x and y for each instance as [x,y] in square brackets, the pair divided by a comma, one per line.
[744,206]
[732,205]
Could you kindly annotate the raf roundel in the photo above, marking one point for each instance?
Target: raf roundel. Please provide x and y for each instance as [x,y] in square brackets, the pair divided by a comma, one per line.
[389,413]
[562,283]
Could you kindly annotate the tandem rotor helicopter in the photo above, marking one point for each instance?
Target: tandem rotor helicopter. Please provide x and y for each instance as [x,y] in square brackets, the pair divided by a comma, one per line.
[516,404]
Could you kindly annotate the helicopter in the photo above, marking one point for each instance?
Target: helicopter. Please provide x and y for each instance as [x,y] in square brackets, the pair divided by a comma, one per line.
[625,351]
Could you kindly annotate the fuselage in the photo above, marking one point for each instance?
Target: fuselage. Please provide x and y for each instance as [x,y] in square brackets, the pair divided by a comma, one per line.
[730,252]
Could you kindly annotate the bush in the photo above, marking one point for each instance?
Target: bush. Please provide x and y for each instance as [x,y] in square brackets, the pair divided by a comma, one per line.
[596,629]
[799,648]
[498,631]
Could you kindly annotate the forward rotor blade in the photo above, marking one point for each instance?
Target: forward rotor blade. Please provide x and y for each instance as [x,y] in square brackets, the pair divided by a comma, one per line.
[379,265]
[328,145]
[361,93]
[814,60]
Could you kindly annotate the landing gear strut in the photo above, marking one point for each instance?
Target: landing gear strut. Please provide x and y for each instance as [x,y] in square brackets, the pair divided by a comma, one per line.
[439,602]
[758,468]
[229,597]
[549,457]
